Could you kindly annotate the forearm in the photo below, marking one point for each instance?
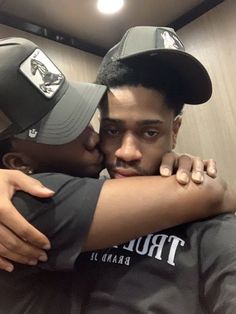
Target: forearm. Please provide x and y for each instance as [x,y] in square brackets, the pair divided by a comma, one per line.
[129,208]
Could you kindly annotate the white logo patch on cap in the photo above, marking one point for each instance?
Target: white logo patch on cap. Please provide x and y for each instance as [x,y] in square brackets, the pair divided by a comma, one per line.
[171,41]
[41,72]
[32,133]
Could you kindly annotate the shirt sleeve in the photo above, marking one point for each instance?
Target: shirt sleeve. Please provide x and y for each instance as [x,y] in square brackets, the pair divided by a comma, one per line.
[65,218]
[218,265]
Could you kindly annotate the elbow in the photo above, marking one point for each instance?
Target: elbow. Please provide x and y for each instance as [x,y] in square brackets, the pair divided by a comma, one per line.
[221,198]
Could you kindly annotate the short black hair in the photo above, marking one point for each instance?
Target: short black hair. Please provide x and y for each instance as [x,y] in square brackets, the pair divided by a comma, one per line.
[151,75]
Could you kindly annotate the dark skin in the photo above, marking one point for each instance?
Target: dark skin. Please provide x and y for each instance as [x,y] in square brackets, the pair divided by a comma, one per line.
[133,144]
[80,157]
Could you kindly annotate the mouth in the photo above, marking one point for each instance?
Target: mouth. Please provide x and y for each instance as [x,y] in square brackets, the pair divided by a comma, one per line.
[120,173]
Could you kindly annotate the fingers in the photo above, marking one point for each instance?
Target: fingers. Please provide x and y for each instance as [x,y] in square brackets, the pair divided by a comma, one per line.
[8,256]
[183,174]
[12,180]
[187,167]
[11,247]
[184,163]
[19,241]
[12,219]
[14,249]
[28,184]
[6,265]
[168,164]
[198,170]
[210,167]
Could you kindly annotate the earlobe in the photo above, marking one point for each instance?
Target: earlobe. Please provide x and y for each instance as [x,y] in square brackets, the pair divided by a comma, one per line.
[17,161]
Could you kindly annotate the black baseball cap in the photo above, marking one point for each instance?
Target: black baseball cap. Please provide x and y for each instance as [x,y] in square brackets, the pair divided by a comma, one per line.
[36,101]
[163,45]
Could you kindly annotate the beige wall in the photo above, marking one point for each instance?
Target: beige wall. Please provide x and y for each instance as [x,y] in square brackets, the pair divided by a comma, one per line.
[209,130]
[74,63]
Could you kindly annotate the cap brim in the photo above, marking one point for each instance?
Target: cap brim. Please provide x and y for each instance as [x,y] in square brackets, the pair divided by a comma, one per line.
[195,78]
[68,119]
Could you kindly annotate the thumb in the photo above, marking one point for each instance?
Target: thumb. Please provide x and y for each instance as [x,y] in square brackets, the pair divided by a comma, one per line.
[25,183]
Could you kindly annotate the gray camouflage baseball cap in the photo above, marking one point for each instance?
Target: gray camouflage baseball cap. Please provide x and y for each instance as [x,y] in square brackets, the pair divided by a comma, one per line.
[162,44]
[36,101]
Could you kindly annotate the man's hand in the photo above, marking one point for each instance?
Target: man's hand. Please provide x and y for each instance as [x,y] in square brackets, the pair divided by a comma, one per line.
[187,167]
[19,241]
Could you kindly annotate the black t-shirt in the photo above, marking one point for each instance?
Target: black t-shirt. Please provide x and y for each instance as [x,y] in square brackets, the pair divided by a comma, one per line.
[65,219]
[189,269]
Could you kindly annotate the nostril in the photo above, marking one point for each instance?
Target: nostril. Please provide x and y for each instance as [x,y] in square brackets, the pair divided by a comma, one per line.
[128,154]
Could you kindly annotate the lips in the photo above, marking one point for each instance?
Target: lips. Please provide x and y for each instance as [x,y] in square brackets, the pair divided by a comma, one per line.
[124,173]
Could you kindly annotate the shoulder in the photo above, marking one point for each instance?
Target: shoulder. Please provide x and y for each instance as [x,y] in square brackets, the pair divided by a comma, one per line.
[218,225]
[69,191]
[222,221]
[60,182]
[217,235]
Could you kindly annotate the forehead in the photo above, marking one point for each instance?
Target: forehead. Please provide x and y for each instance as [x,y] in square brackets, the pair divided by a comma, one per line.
[135,103]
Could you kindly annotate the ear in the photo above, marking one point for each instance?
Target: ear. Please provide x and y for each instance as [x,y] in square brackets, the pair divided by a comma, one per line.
[18,161]
[176,126]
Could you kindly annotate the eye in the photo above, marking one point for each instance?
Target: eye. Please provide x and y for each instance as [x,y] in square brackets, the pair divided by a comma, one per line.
[110,130]
[150,133]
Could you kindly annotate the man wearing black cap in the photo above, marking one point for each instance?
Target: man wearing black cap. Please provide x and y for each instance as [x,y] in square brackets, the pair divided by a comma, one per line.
[66,218]
[186,269]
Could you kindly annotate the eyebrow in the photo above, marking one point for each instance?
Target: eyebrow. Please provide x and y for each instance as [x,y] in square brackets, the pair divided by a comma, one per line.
[141,122]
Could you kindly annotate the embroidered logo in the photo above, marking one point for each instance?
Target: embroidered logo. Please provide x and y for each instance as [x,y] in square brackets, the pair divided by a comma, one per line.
[33,133]
[171,41]
[42,73]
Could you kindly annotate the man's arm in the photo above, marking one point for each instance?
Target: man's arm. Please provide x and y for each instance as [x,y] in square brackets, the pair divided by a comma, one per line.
[218,265]
[113,212]
[186,167]
[133,207]
[12,247]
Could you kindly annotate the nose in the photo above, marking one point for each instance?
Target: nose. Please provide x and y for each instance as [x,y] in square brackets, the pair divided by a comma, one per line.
[92,139]
[129,149]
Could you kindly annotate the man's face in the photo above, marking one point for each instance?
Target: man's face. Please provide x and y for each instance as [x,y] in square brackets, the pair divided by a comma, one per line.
[137,128]
[80,157]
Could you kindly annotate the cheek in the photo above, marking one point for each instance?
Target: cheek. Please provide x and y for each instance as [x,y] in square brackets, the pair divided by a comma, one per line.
[153,153]
[151,157]
[108,147]
[166,142]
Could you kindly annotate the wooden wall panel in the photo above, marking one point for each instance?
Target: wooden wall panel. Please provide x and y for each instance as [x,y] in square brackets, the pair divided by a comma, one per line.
[74,63]
[209,130]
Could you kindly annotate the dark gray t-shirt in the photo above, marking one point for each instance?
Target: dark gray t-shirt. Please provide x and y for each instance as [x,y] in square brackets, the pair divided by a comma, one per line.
[189,269]
[65,219]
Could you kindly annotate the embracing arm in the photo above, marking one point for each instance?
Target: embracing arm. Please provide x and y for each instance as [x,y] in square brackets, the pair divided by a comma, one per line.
[132,207]
[25,243]
[89,214]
